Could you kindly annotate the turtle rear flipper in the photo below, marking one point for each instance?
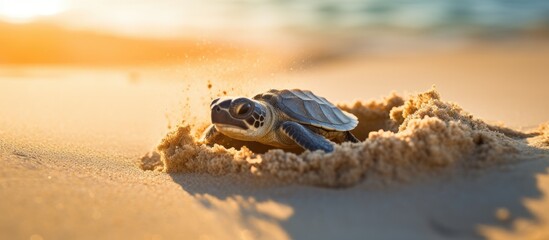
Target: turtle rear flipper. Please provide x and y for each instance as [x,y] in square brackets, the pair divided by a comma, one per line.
[349,137]
[306,138]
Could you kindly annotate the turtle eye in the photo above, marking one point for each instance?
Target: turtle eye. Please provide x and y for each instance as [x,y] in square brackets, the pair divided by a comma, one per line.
[243,109]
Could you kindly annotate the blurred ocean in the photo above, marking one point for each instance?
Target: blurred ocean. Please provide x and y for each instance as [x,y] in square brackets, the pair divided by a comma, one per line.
[467,16]
[111,31]
[187,17]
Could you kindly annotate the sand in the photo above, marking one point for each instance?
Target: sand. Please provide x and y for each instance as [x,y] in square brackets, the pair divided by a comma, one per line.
[71,143]
[423,134]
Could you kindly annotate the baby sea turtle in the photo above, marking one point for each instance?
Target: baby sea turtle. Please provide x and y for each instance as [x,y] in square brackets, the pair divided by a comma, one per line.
[281,118]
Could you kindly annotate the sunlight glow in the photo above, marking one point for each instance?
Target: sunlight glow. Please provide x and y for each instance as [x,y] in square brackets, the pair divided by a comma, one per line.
[27,10]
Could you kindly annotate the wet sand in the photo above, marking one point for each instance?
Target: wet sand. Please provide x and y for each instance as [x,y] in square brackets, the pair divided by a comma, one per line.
[72,139]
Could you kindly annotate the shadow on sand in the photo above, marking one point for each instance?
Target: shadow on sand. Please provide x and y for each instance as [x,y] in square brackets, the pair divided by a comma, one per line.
[452,205]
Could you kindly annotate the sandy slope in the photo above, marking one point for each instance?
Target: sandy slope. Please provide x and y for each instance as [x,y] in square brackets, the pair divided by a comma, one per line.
[70,140]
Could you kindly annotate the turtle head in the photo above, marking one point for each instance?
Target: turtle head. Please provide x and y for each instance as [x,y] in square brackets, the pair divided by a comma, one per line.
[240,118]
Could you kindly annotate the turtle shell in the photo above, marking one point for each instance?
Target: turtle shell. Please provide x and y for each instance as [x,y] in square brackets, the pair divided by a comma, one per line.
[305,107]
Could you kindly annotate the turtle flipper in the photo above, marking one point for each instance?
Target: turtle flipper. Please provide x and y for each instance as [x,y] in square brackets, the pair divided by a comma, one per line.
[305,138]
[210,135]
[349,137]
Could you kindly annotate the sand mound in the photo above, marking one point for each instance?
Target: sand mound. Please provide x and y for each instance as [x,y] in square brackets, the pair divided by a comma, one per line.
[544,133]
[541,136]
[402,138]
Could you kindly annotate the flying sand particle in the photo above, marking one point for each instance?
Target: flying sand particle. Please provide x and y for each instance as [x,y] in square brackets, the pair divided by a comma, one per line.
[502,214]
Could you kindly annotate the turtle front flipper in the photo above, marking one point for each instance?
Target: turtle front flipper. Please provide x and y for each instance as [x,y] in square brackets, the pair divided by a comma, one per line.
[210,135]
[306,138]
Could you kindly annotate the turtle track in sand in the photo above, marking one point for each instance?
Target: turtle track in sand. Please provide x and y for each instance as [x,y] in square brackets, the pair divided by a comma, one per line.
[401,139]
